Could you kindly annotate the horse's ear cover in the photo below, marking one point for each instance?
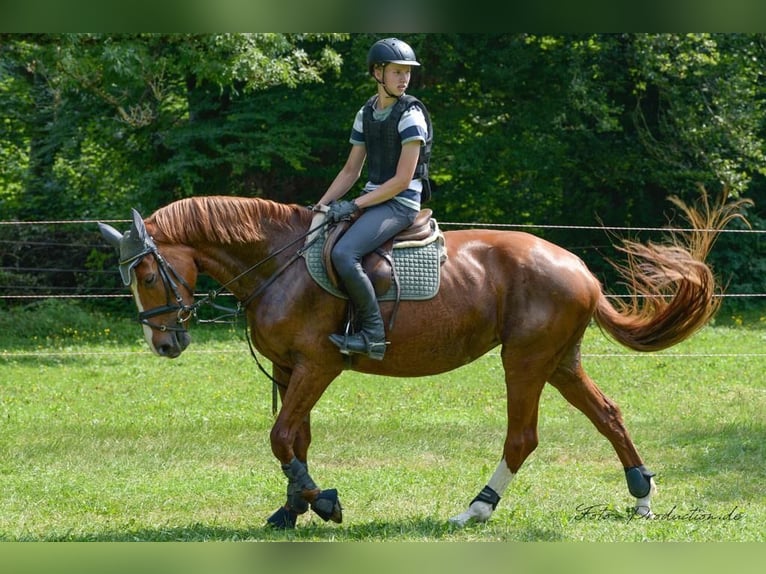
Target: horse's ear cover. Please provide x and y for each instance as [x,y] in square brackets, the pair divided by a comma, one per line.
[112,236]
[131,246]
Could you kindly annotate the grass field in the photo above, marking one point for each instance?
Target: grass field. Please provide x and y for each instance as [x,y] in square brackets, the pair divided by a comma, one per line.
[102,441]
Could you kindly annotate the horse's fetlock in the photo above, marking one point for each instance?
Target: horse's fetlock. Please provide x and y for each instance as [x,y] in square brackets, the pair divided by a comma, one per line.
[639,480]
[487,495]
[296,503]
[310,495]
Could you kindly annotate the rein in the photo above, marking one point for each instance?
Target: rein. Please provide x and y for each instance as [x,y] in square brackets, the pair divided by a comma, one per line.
[186,312]
[210,297]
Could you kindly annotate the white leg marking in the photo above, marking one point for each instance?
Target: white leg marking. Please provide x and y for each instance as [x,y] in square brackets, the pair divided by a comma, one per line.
[480,511]
[501,479]
[644,505]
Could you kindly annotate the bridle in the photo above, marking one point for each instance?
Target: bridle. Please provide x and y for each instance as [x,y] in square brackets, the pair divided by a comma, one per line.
[184,312]
[171,278]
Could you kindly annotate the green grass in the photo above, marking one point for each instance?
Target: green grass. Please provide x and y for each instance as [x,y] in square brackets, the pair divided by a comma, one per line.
[102,441]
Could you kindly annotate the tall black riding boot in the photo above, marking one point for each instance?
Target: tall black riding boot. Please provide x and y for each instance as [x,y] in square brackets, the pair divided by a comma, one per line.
[371,339]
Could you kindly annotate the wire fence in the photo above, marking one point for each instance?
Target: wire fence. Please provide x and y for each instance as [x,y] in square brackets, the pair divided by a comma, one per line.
[31,292]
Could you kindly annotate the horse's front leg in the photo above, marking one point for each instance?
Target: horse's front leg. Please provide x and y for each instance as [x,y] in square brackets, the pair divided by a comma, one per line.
[290,440]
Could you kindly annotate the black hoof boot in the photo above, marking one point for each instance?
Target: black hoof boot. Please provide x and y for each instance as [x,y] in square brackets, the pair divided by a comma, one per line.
[284,519]
[639,480]
[327,506]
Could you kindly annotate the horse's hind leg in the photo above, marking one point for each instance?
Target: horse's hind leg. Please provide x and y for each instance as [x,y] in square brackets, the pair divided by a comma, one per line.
[576,387]
[524,384]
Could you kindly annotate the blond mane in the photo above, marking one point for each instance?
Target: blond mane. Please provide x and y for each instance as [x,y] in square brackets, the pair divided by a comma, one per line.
[221,219]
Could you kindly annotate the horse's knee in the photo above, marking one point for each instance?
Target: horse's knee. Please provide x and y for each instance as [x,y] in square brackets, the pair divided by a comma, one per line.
[281,443]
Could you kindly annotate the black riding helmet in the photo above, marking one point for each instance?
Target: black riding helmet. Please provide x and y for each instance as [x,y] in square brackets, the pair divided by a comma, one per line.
[390,51]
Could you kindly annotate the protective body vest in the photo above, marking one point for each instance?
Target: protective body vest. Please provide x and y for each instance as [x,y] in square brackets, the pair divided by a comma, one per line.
[383,137]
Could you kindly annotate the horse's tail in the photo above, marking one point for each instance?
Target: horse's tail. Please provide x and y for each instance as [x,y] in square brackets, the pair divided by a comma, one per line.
[673,289]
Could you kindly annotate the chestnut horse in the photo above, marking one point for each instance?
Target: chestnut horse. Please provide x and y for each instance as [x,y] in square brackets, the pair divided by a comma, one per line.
[510,289]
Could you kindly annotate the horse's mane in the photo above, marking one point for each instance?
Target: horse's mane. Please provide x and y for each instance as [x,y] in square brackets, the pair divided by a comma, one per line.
[221,219]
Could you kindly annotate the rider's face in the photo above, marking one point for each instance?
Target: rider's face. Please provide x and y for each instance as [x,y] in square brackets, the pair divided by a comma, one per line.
[396,77]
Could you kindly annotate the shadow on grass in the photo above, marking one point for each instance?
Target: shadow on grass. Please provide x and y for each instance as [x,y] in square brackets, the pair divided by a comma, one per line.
[424,529]
[732,454]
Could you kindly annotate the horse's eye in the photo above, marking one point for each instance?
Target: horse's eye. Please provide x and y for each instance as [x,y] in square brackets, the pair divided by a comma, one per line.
[150,279]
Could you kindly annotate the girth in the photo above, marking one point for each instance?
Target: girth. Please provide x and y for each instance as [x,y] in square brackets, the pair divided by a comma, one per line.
[378,265]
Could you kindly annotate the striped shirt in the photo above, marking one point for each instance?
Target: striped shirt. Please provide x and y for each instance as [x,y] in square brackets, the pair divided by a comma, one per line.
[412,127]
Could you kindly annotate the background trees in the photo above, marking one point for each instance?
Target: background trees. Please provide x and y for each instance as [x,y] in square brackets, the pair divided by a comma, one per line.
[530,129]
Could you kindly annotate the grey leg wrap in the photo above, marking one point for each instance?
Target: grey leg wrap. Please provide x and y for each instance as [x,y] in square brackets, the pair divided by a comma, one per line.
[327,506]
[298,480]
[487,495]
[638,477]
[325,503]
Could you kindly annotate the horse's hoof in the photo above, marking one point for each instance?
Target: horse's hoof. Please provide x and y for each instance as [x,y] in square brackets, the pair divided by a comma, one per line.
[327,506]
[643,512]
[479,511]
[283,518]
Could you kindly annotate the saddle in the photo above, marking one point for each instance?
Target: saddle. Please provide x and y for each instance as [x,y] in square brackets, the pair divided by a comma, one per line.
[379,265]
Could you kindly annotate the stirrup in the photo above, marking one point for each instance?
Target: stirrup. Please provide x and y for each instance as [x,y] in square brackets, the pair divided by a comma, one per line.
[374,350]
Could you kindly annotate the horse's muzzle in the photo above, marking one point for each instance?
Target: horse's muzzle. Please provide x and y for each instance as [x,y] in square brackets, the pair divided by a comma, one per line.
[173,344]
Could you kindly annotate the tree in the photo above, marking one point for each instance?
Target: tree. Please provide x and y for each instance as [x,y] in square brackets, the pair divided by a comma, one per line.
[530,129]
[151,109]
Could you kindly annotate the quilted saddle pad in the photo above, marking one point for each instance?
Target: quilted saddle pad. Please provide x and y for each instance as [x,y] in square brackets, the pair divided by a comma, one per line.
[416,265]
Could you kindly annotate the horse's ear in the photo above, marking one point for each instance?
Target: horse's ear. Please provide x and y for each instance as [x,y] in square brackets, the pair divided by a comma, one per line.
[112,236]
[138,225]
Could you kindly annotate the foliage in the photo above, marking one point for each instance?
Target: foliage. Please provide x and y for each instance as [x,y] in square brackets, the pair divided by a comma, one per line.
[568,129]
[136,118]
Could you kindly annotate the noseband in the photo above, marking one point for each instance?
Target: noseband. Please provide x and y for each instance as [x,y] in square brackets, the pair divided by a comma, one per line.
[169,277]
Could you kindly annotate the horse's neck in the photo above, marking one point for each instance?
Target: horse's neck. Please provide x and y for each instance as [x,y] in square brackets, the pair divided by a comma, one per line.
[245,266]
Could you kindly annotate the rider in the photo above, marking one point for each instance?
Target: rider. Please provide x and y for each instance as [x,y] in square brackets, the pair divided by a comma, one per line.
[396,143]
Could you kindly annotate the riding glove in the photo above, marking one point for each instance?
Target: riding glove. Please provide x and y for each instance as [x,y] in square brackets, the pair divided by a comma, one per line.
[342,211]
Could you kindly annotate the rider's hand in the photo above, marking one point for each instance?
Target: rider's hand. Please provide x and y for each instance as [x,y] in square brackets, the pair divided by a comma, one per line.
[342,211]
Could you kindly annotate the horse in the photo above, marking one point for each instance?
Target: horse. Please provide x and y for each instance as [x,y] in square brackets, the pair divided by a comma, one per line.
[498,288]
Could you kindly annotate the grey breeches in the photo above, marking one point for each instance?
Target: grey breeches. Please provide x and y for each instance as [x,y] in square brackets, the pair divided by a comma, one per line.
[375,226]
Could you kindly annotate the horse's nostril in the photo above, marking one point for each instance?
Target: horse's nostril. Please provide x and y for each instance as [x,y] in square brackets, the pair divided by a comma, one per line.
[167,350]
[184,339]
